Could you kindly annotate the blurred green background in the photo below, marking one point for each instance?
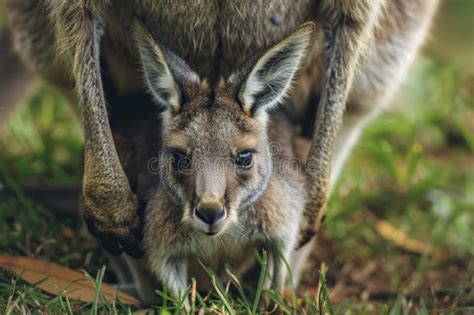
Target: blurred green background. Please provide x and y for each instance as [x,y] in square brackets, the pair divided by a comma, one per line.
[409,181]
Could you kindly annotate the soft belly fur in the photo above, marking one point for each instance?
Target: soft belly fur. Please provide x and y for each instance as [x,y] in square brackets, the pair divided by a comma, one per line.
[212,36]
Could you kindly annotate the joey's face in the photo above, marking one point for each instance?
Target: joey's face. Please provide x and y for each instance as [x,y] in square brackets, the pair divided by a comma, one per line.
[215,159]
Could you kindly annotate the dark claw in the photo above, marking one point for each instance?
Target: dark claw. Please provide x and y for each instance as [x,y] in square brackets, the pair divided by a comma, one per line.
[111,246]
[91,227]
[133,250]
[131,246]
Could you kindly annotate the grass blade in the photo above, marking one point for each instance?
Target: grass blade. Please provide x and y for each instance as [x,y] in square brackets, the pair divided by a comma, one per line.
[98,283]
[263,261]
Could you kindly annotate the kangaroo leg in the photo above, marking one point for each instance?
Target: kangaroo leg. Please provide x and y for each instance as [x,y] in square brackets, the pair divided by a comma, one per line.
[110,207]
[348,25]
[281,256]
[172,272]
[144,285]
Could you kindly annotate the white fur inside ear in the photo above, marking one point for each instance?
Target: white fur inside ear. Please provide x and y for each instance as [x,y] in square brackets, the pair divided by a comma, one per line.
[271,77]
[159,79]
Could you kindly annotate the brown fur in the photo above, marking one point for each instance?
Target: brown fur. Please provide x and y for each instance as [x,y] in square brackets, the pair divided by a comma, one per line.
[61,41]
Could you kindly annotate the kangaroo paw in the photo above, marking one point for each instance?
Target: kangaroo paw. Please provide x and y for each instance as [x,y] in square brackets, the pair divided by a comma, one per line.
[118,226]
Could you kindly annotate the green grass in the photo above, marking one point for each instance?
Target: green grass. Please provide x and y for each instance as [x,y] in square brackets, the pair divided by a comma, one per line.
[413,168]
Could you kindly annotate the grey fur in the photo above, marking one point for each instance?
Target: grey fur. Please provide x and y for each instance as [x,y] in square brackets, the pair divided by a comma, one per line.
[362,51]
[175,237]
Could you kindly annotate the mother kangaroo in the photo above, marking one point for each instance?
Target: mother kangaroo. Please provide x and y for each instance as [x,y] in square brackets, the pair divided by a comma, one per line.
[361,52]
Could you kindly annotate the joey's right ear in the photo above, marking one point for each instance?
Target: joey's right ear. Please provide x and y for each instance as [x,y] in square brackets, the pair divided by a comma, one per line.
[167,75]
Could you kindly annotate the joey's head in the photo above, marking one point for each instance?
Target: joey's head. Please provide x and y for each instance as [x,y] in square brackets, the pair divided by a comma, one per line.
[215,157]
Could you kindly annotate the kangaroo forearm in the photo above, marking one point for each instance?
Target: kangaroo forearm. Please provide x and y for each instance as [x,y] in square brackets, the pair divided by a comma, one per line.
[348,29]
[105,186]
[110,208]
[101,159]
[329,119]
[100,151]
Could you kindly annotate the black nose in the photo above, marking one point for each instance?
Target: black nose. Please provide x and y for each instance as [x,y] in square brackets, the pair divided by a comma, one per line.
[209,216]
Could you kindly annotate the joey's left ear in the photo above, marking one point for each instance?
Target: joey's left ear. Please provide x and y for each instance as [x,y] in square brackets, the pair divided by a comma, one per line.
[267,82]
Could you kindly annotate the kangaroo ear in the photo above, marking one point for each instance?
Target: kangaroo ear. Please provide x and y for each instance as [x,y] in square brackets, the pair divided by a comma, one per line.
[167,75]
[270,77]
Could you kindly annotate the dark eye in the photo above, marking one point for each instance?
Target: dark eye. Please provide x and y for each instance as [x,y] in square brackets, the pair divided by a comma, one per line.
[180,162]
[244,160]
